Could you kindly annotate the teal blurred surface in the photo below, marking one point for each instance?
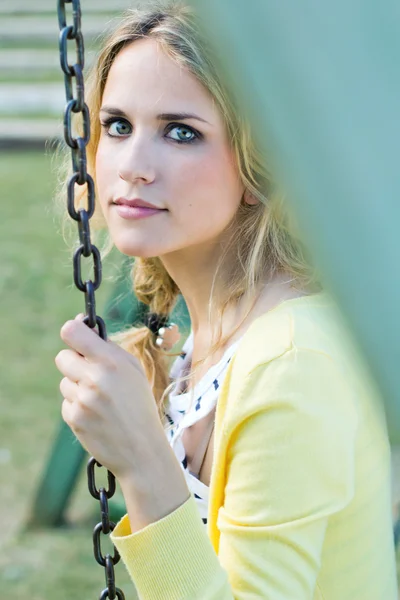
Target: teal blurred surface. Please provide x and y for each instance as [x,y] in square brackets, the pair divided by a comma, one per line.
[321,83]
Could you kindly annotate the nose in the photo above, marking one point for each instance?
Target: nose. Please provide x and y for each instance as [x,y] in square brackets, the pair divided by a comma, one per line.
[137,161]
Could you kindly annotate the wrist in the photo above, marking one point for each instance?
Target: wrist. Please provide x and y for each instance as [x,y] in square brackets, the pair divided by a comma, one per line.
[155,490]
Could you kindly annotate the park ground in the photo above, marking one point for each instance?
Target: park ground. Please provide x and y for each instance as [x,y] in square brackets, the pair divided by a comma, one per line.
[37,297]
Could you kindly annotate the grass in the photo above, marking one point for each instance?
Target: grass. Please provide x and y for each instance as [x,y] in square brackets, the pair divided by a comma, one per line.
[31,116]
[43,43]
[21,76]
[30,44]
[37,298]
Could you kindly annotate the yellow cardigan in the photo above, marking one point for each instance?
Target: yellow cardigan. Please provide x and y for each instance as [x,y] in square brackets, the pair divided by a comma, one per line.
[300,503]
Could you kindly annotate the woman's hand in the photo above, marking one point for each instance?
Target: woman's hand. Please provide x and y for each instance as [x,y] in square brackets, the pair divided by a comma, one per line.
[108,402]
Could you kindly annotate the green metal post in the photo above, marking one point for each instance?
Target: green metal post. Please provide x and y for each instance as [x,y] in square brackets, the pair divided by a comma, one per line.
[63,467]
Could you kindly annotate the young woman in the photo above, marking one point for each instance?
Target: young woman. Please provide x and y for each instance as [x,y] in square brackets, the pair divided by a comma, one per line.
[267,427]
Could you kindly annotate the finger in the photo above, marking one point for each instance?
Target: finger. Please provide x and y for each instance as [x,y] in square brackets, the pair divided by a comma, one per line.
[70,412]
[85,399]
[85,341]
[73,366]
[79,317]
[69,390]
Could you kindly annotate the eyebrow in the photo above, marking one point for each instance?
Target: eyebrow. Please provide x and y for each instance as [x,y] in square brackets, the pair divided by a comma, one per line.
[162,117]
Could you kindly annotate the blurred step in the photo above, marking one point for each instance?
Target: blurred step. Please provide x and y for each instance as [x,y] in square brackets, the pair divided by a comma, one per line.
[32,95]
[45,28]
[15,63]
[23,134]
[50,6]
[20,59]
[31,128]
[20,98]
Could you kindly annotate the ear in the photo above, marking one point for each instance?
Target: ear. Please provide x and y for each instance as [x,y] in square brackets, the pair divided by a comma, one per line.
[248,198]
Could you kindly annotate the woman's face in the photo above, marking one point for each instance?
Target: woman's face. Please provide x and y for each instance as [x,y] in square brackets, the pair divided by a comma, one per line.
[163,141]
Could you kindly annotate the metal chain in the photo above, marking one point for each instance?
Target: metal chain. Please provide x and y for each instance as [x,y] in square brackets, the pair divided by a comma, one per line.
[81,177]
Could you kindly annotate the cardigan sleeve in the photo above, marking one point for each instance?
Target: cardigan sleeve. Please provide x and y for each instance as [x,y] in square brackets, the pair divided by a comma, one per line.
[289,466]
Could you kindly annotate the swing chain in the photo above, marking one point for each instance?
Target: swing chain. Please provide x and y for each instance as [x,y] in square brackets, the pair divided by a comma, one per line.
[73,76]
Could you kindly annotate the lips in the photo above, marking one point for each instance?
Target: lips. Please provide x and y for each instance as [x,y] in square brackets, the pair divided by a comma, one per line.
[136,203]
[132,209]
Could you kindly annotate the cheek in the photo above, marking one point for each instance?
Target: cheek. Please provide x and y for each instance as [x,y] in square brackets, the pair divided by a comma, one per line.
[209,179]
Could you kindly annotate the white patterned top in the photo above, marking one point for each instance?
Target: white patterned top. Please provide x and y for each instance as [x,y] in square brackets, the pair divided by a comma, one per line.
[180,415]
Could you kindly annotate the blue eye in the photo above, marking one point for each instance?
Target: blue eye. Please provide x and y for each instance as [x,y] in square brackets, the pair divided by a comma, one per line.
[116,127]
[184,134]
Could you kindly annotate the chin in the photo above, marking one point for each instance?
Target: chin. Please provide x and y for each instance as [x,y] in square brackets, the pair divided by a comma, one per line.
[135,250]
[136,243]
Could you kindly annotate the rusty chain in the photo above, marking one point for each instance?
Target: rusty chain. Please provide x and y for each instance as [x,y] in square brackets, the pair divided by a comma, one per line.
[76,104]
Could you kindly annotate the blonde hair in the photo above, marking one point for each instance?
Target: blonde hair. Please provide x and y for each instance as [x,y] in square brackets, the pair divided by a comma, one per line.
[260,242]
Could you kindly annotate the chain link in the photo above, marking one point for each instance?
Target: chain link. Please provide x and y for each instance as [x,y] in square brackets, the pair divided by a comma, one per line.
[73,73]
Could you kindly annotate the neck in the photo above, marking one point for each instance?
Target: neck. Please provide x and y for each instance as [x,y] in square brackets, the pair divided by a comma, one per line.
[193,271]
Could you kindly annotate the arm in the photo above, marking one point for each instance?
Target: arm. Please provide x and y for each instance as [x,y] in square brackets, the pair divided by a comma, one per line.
[289,467]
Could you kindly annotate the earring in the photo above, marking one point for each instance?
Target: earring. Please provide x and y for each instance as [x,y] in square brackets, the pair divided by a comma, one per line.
[168,336]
